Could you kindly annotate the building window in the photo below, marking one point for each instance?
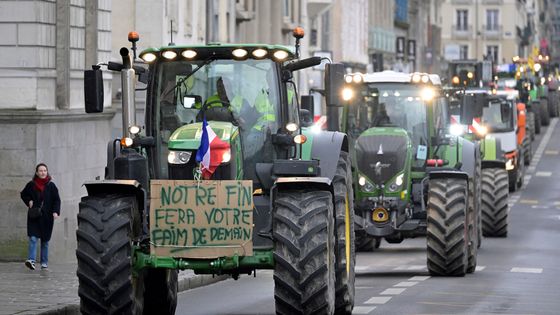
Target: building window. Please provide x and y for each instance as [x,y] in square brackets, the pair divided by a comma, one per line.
[492,20]
[462,20]
[492,53]
[325,30]
[464,52]
[287,8]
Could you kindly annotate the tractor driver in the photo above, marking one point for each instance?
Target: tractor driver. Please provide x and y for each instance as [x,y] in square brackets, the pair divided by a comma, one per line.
[381,118]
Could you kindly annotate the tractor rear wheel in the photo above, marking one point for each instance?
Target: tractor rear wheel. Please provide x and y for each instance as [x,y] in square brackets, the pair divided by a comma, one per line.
[447,227]
[106,284]
[344,225]
[545,115]
[531,125]
[527,150]
[160,296]
[495,193]
[537,113]
[304,252]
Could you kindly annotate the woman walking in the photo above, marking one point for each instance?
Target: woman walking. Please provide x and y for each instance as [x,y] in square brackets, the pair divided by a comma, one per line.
[43,192]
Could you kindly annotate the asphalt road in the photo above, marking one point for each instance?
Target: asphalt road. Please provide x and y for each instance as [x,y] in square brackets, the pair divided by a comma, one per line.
[515,275]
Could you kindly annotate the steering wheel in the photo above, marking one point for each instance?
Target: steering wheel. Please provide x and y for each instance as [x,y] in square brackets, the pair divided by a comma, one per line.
[206,104]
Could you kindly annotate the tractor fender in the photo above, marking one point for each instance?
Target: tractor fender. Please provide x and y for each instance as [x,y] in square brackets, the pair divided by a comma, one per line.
[326,149]
[493,164]
[447,173]
[283,183]
[468,158]
[118,186]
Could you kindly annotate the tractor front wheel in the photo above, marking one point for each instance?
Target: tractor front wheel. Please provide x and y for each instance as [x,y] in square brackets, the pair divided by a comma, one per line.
[345,247]
[106,283]
[495,193]
[447,227]
[304,252]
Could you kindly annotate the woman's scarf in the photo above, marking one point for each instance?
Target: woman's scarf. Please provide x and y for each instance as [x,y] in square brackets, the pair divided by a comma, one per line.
[40,183]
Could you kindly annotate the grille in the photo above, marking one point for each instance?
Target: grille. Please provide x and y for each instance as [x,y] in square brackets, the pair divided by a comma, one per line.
[389,151]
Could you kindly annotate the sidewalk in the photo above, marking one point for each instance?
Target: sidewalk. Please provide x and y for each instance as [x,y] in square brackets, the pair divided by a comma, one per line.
[26,292]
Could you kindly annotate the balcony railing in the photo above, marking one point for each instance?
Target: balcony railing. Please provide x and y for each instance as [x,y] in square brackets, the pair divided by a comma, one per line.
[461,31]
[492,31]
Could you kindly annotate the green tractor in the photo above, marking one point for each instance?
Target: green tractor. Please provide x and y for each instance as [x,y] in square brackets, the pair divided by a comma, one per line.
[222,180]
[494,127]
[413,178]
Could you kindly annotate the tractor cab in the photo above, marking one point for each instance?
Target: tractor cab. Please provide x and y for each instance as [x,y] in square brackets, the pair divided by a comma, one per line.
[236,89]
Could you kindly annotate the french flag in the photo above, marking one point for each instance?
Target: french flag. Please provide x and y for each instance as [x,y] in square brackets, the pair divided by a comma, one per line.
[211,151]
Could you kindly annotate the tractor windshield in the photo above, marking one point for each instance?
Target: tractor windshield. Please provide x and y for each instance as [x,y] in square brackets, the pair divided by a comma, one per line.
[245,93]
[498,116]
[401,105]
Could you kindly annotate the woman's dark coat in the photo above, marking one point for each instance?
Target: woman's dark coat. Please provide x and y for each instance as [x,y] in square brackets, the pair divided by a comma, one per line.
[41,227]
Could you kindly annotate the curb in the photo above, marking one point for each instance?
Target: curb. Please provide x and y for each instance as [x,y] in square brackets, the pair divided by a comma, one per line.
[183,285]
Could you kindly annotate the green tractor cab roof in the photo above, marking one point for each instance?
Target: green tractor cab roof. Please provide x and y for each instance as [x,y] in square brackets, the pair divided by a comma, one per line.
[278,53]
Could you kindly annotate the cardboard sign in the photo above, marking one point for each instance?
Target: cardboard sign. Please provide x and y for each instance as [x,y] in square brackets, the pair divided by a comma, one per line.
[206,219]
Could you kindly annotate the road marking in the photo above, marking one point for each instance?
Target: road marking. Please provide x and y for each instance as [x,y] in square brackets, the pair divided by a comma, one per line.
[363,309]
[364,288]
[419,278]
[543,174]
[529,201]
[479,268]
[557,203]
[361,268]
[378,300]
[393,291]
[544,142]
[407,284]
[551,152]
[526,270]
[539,207]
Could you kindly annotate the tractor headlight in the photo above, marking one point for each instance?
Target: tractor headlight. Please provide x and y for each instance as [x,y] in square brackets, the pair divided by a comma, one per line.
[510,164]
[456,130]
[365,184]
[226,156]
[179,157]
[397,184]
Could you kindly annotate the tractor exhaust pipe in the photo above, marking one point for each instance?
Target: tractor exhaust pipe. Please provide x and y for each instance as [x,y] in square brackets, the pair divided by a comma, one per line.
[128,81]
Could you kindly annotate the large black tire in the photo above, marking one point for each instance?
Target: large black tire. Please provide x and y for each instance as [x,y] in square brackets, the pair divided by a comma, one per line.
[527,150]
[545,115]
[345,237]
[472,220]
[531,125]
[495,193]
[160,296]
[304,252]
[447,227]
[537,113]
[106,284]
[553,103]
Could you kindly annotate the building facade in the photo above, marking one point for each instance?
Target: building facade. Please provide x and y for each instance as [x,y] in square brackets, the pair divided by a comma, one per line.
[45,47]
[477,29]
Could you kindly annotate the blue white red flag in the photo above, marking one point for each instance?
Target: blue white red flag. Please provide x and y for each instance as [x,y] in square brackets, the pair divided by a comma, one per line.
[211,151]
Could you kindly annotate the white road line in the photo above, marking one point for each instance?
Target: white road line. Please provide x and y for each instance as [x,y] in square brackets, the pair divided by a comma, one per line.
[361,268]
[557,203]
[480,268]
[544,143]
[551,152]
[526,270]
[393,291]
[406,284]
[362,309]
[543,174]
[378,300]
[417,267]
[419,278]
[539,207]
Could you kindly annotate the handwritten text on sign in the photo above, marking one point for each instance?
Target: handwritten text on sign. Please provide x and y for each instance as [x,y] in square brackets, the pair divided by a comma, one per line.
[205,219]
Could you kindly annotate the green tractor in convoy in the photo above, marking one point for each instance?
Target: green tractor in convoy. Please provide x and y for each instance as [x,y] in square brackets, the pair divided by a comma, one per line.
[280,196]
[411,177]
[492,125]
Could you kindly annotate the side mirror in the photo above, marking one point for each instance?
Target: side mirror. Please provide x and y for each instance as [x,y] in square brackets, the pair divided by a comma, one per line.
[308,104]
[467,105]
[334,82]
[306,119]
[93,90]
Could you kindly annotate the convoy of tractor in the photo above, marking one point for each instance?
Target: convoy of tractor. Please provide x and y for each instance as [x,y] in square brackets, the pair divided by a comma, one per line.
[227,176]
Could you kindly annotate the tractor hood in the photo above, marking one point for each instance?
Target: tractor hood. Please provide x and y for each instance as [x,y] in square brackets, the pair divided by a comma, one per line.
[188,137]
[508,140]
[381,153]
